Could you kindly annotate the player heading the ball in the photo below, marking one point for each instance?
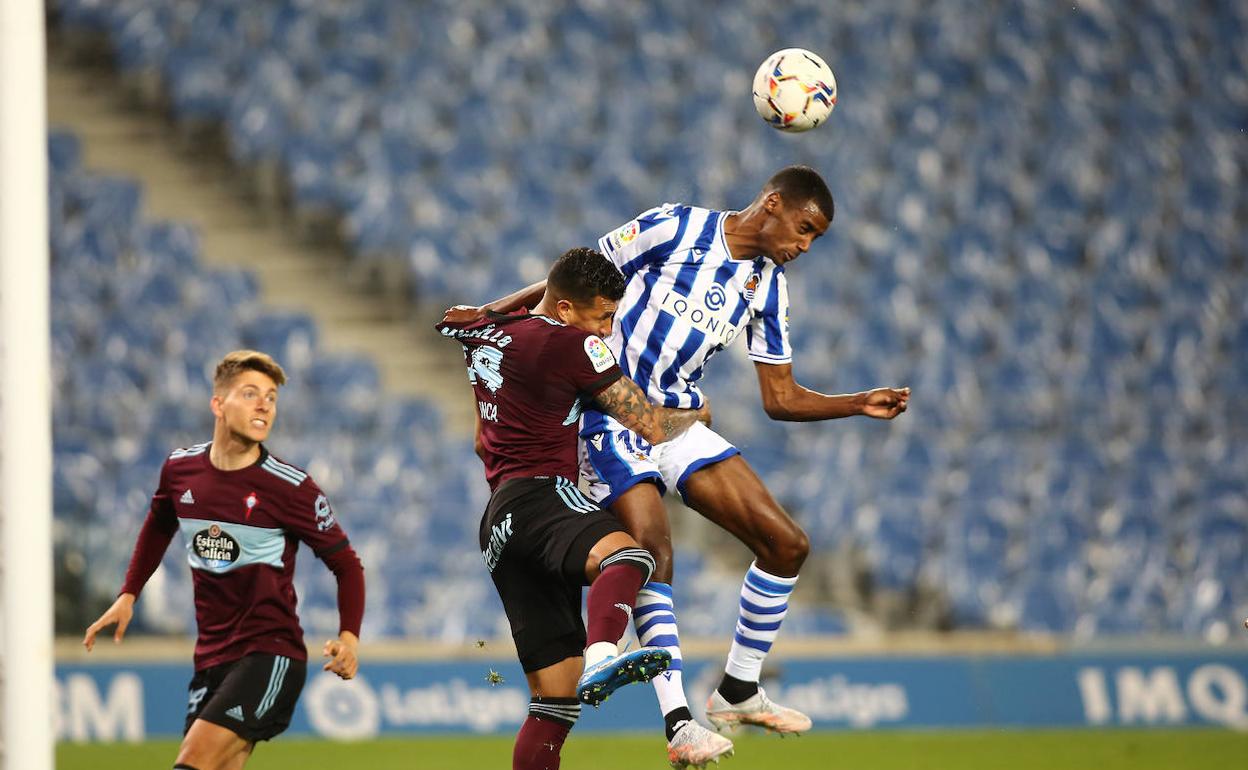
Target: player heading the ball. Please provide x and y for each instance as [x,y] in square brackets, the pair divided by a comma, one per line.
[541,539]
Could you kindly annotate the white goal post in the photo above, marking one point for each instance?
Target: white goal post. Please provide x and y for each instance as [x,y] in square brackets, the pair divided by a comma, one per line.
[26,673]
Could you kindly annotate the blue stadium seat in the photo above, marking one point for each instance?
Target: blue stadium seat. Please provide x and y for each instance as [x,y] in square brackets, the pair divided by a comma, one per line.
[1041,233]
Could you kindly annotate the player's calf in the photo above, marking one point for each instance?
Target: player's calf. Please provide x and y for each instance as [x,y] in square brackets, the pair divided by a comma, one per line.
[542,735]
[614,591]
[610,606]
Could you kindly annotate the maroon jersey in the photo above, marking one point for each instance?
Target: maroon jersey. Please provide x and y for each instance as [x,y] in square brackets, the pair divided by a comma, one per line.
[532,376]
[242,529]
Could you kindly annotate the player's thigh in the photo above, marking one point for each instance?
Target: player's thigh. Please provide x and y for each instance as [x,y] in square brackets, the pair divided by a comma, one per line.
[240,759]
[544,613]
[731,494]
[253,697]
[208,746]
[525,539]
[557,680]
[640,509]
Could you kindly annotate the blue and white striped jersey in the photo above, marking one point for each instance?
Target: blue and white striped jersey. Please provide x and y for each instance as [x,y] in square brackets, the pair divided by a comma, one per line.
[687,299]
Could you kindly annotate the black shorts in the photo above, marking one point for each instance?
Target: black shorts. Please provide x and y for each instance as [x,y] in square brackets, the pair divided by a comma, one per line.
[253,696]
[535,537]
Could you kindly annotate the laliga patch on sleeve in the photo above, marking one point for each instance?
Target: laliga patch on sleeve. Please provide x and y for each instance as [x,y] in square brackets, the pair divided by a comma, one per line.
[599,354]
[625,235]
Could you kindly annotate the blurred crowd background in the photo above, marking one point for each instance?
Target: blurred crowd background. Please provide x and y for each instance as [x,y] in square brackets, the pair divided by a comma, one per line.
[1040,228]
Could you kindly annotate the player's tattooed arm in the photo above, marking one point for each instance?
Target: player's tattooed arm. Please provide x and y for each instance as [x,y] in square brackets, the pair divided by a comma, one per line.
[626,402]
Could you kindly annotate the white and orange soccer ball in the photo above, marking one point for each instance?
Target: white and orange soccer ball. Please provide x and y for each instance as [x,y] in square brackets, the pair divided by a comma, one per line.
[794,90]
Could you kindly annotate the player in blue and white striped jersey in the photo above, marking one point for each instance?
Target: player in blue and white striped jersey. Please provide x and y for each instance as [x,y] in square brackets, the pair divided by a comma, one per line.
[698,279]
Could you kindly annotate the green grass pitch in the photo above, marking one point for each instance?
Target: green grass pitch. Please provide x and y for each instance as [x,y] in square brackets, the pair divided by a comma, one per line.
[1047,750]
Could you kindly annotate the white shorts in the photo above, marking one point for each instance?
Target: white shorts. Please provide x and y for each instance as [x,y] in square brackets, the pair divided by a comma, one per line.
[614,459]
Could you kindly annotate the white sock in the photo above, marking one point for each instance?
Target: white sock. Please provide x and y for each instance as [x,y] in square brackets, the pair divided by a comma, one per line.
[655,621]
[764,603]
[598,652]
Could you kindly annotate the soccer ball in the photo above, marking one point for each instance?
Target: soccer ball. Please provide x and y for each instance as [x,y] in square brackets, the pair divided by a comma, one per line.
[794,90]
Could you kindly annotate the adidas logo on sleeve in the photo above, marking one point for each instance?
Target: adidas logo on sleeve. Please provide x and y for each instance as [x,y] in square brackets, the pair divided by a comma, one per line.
[188,498]
[236,713]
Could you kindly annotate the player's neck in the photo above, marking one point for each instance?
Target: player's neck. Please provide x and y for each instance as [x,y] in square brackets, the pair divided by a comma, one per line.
[741,233]
[546,307]
[230,452]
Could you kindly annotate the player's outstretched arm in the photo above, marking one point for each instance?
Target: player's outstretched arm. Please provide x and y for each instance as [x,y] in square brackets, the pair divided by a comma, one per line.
[626,402]
[784,399]
[526,297]
[120,614]
[154,537]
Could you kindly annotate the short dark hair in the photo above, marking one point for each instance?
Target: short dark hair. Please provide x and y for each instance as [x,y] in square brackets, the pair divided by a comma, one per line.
[582,274]
[800,184]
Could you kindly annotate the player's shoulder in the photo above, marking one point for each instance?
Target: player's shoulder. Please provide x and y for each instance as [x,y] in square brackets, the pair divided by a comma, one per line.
[670,214]
[655,223]
[182,455]
[565,339]
[481,328]
[279,469]
[561,334]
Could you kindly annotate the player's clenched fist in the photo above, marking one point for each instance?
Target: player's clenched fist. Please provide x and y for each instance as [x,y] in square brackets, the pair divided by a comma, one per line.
[886,403]
[120,613]
[342,655]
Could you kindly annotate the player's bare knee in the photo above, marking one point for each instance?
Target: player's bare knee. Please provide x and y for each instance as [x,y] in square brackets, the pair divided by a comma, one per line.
[781,549]
[193,756]
[795,550]
[662,568]
[659,543]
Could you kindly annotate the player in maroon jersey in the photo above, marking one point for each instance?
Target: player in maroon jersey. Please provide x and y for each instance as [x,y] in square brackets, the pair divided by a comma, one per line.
[242,513]
[541,539]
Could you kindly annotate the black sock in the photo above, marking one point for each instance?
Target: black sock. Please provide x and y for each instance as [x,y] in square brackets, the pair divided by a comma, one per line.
[183,767]
[675,719]
[736,690]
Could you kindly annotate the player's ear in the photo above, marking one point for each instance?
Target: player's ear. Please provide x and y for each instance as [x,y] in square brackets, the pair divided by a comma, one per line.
[772,202]
[217,405]
[563,309]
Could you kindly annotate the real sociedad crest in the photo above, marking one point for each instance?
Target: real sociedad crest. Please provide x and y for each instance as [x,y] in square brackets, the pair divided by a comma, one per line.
[751,285]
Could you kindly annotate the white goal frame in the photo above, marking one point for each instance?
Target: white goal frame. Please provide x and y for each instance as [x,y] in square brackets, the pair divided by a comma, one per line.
[26,603]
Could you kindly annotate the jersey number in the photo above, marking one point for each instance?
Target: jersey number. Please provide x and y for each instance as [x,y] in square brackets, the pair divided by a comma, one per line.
[485,367]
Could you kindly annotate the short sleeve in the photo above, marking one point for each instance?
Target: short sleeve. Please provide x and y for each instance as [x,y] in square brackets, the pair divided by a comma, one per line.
[585,361]
[648,239]
[767,336]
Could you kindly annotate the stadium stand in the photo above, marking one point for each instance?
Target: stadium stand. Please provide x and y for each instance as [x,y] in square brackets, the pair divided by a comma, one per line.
[1042,234]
